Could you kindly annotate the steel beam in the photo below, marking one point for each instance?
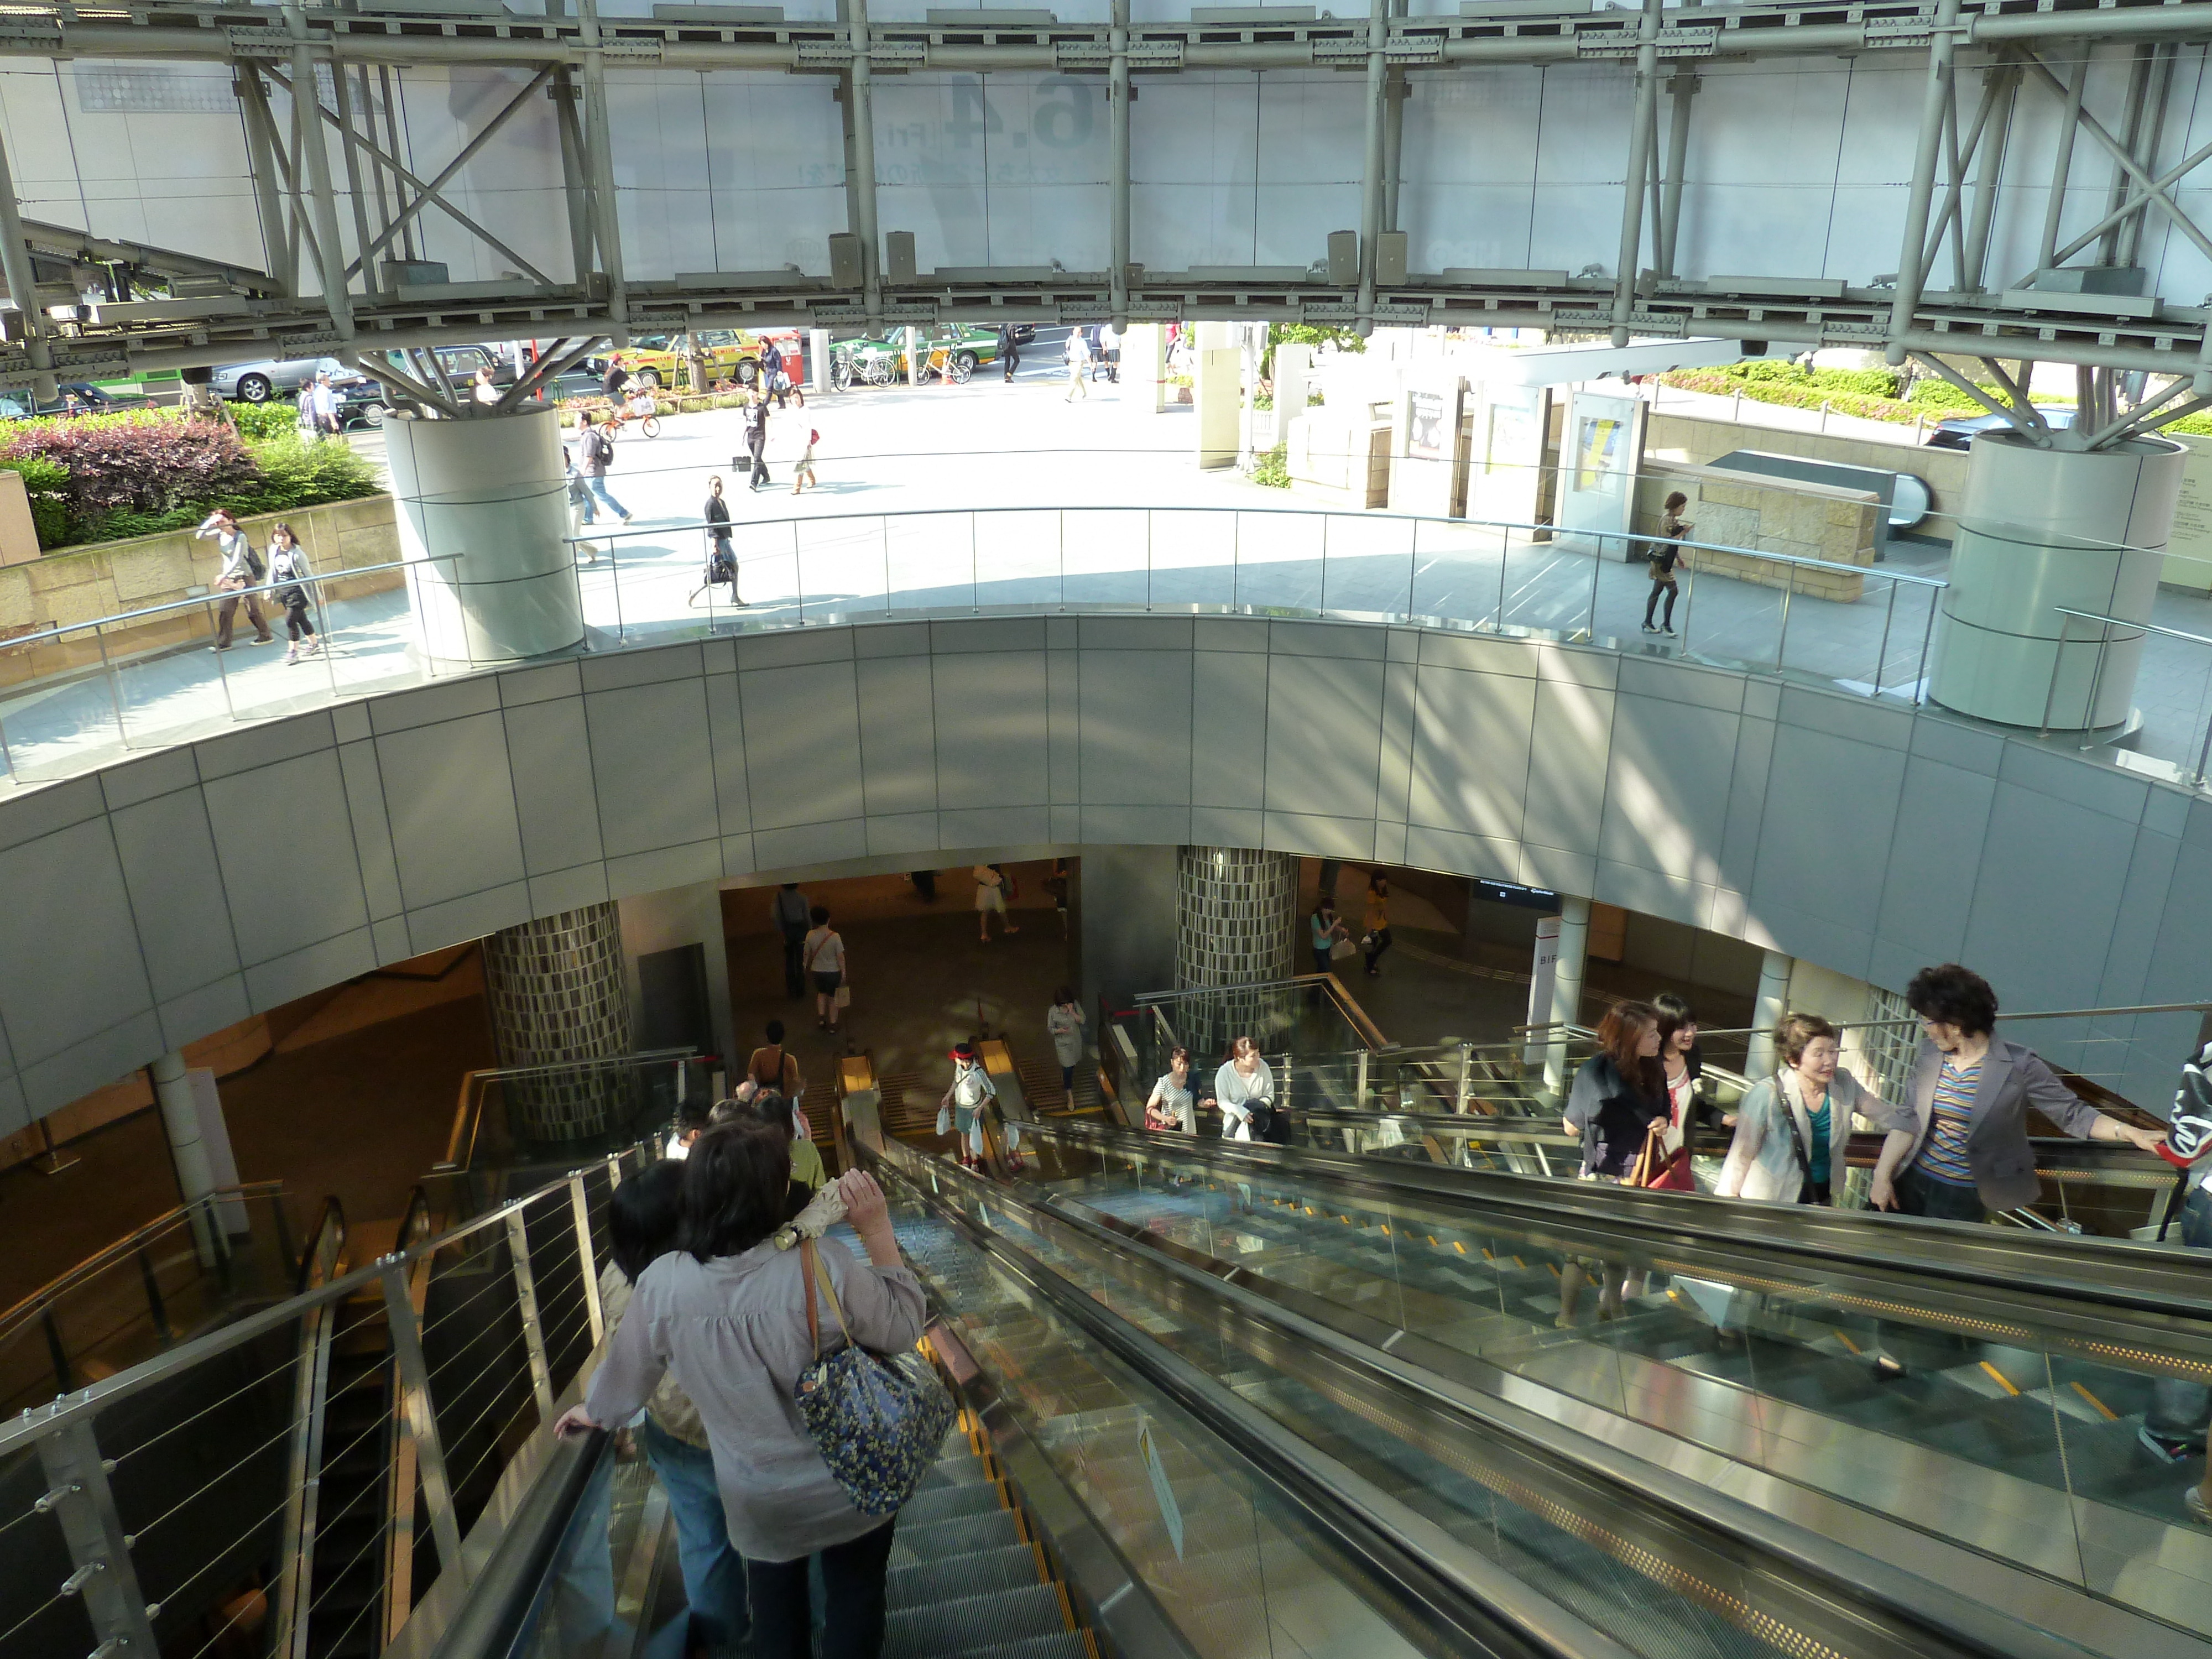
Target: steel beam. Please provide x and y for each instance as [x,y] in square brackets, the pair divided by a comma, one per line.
[1989,173]
[341,86]
[1643,124]
[408,248]
[315,150]
[859,88]
[260,151]
[1370,169]
[430,194]
[2187,164]
[575,182]
[2062,168]
[22,287]
[2146,151]
[1683,86]
[2131,115]
[1935,99]
[549,367]
[1117,163]
[1930,360]
[2090,124]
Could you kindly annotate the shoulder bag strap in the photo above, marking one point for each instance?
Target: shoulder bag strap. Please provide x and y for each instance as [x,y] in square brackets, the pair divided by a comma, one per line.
[806,1267]
[822,1271]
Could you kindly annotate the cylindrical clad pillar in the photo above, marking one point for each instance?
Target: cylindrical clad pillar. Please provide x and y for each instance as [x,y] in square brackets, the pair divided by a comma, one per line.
[1237,921]
[556,987]
[1566,985]
[1767,1008]
[2041,528]
[483,506]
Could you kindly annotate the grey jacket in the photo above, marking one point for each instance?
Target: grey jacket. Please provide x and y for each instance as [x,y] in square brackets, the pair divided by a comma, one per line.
[2012,1079]
[1761,1162]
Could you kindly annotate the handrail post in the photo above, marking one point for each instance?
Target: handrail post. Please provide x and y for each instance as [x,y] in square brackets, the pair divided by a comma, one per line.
[586,1257]
[526,1296]
[1782,632]
[2096,684]
[57,1351]
[105,1577]
[1465,1074]
[2051,692]
[1359,1094]
[1927,645]
[414,1376]
[1881,651]
[153,1296]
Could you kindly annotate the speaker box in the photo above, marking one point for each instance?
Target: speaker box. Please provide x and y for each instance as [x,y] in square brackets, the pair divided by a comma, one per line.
[845,260]
[1344,258]
[1390,258]
[898,255]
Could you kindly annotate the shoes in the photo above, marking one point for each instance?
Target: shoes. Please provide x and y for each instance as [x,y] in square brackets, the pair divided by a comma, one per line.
[626,517]
[2199,1510]
[1669,631]
[293,655]
[1886,1370]
[821,1024]
[1014,1163]
[1648,628]
[1011,928]
[264,639]
[2167,1448]
[218,648]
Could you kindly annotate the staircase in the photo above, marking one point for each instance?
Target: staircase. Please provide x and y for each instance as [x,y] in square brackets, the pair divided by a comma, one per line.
[346,1585]
[1040,1085]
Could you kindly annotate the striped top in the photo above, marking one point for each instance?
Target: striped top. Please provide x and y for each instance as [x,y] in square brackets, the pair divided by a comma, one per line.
[1943,1156]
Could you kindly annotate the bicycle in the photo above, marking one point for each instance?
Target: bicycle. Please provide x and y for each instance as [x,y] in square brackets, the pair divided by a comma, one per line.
[642,409]
[949,364]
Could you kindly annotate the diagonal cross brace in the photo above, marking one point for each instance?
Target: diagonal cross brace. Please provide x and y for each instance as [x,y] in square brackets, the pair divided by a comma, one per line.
[427,195]
[2152,195]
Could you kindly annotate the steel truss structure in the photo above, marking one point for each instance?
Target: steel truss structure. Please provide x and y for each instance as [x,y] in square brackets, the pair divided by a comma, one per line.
[1982,60]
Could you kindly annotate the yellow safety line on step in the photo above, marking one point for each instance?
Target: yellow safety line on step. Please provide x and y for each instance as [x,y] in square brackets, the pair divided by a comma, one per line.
[1461,1249]
[2111,1416]
[2002,1382]
[1847,1342]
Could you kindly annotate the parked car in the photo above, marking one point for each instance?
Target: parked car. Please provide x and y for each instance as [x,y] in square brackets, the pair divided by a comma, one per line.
[1960,434]
[879,359]
[731,354]
[18,403]
[256,383]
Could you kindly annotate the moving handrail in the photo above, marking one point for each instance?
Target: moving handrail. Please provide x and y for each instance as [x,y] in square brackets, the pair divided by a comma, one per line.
[1645,1509]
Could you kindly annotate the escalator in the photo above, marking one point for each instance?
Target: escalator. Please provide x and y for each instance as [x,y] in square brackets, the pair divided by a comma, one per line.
[1741,1344]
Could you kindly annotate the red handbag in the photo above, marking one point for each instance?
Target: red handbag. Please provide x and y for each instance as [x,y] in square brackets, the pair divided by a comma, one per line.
[1657,1169]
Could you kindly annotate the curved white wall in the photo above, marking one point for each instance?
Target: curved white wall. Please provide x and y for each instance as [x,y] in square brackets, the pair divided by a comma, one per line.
[159,900]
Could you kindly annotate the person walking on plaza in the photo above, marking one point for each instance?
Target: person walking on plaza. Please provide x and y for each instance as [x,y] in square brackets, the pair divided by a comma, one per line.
[288,576]
[722,556]
[824,950]
[1010,350]
[789,911]
[802,476]
[726,1313]
[1323,929]
[1375,937]
[1078,363]
[1663,553]
[991,884]
[1792,1128]
[756,436]
[240,570]
[1109,348]
[1063,1021]
[484,391]
[324,397]
[1962,1150]
[599,448]
[771,370]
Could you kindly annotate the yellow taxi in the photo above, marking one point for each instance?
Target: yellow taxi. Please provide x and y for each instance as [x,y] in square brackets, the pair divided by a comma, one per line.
[731,354]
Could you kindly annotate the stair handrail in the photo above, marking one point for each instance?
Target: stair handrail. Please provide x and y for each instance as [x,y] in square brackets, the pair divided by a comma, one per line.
[324,1255]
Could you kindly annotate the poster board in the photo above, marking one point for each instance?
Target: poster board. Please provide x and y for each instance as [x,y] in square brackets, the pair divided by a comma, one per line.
[1601,449]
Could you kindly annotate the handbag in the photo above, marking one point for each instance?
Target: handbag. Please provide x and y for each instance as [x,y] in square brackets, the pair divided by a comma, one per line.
[945,1120]
[1656,1167]
[878,1421]
[1343,948]
[844,998]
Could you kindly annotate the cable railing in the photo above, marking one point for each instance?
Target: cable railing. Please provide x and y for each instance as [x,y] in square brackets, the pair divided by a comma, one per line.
[2190,761]
[142,1511]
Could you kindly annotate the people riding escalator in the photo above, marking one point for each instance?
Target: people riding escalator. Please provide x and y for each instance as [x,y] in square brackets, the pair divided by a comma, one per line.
[726,1313]
[1618,1094]
[1792,1128]
[1244,1090]
[1169,1106]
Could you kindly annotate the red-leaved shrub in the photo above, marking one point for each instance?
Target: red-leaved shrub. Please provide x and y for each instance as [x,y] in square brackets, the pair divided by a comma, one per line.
[138,465]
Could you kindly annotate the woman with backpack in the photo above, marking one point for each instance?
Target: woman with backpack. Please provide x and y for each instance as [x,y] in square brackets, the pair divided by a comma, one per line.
[721,557]
[241,569]
[287,573]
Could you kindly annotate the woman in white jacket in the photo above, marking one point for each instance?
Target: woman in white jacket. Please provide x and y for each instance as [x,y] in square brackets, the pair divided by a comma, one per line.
[1793,1129]
[1245,1089]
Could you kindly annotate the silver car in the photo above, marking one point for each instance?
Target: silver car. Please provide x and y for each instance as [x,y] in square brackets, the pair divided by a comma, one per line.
[256,383]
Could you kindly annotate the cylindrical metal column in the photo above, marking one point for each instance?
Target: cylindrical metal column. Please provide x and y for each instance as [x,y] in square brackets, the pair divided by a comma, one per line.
[1566,985]
[1767,1008]
[1117,166]
[555,989]
[2040,528]
[482,512]
[1237,921]
[1371,175]
[188,1147]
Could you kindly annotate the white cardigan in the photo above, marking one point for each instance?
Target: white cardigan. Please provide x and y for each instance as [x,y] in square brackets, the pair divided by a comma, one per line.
[1761,1163]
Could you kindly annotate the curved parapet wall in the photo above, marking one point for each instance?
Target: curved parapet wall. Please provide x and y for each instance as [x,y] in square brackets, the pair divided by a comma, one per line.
[162,899]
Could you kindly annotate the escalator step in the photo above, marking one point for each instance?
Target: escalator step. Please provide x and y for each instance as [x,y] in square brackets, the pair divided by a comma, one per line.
[984,1572]
[966,1470]
[949,1502]
[973,1622]
[961,1535]
[1066,1644]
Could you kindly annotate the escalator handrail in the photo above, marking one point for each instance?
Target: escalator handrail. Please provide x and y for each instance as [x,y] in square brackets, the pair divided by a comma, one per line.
[2118,1283]
[1960,1621]
[1462,1590]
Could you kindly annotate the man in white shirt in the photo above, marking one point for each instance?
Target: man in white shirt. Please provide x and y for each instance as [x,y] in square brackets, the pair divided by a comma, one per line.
[1110,347]
[1078,363]
[326,403]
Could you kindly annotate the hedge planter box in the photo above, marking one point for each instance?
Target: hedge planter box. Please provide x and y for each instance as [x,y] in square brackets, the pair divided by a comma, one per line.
[81,584]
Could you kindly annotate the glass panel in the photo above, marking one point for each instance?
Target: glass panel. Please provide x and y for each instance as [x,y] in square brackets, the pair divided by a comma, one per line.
[59,715]
[1370,566]
[1194,558]
[1279,560]
[1456,570]
[932,560]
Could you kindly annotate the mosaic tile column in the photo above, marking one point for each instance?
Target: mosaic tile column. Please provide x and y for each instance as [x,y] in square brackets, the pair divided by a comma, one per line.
[1237,923]
[556,987]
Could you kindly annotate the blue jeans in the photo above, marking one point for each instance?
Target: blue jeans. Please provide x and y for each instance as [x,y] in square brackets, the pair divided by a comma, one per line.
[714,1571]
[597,488]
[2179,1410]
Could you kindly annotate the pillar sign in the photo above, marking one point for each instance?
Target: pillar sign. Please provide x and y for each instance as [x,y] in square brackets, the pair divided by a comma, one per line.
[1541,971]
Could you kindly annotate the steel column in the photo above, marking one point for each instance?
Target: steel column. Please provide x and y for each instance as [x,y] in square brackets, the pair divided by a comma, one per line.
[1990,172]
[22,286]
[598,158]
[1395,91]
[1117,162]
[2158,199]
[314,153]
[79,1499]
[533,1326]
[2154,133]
[2131,114]
[1683,86]
[1935,100]
[2062,167]
[261,152]
[422,1416]
[1642,125]
[1370,172]
[340,84]
[860,88]
[409,247]
[575,181]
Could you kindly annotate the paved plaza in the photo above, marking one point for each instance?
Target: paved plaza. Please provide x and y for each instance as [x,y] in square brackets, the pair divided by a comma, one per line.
[990,497]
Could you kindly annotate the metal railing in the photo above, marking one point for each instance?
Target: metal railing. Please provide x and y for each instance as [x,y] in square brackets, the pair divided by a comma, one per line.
[151,679]
[2188,755]
[143,1509]
[143,1293]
